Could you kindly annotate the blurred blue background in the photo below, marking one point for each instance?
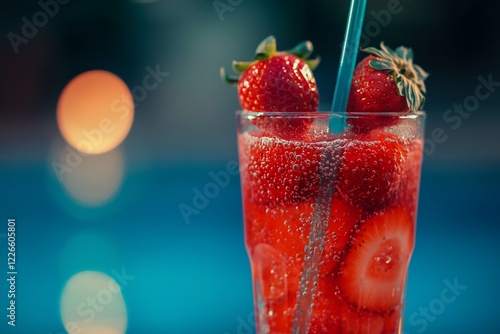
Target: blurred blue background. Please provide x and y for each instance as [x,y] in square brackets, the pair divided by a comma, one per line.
[191,275]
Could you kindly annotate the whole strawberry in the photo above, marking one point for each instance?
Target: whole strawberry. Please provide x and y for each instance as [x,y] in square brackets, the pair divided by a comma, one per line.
[371,170]
[386,81]
[283,173]
[276,82]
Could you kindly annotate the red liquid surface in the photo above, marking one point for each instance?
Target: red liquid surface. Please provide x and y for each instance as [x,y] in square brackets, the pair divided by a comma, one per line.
[368,240]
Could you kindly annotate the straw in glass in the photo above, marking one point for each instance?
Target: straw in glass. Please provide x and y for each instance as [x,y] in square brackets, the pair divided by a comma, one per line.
[321,214]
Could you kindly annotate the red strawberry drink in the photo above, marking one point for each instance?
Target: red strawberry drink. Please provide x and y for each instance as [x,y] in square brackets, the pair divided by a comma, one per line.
[368,171]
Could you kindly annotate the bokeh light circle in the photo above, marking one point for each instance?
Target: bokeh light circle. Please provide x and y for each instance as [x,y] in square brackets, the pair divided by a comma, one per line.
[92,303]
[95,112]
[96,179]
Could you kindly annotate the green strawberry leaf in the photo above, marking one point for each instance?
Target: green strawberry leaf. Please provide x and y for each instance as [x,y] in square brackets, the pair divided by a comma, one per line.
[313,63]
[404,53]
[380,64]
[266,49]
[241,66]
[302,50]
[375,52]
[225,77]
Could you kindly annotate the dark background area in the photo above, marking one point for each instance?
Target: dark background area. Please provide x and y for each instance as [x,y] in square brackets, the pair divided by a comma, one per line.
[195,278]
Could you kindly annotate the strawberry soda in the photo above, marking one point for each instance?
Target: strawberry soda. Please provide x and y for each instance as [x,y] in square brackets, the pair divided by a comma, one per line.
[365,183]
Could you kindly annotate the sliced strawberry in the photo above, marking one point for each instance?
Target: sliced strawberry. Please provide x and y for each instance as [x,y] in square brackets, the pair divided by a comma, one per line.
[374,270]
[285,229]
[282,173]
[393,321]
[269,271]
[371,170]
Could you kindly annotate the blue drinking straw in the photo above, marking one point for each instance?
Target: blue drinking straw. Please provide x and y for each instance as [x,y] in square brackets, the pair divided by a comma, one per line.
[349,53]
[322,210]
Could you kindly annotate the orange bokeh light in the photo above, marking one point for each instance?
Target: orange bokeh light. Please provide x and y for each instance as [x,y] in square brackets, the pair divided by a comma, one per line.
[95,112]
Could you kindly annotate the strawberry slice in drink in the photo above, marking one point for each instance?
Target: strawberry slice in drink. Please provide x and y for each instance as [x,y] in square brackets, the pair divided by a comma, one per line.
[374,271]
[276,238]
[393,321]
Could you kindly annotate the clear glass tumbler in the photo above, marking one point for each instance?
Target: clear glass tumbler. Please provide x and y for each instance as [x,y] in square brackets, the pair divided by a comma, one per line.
[330,204]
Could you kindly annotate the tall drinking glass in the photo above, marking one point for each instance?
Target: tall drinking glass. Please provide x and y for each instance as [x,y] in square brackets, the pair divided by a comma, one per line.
[330,204]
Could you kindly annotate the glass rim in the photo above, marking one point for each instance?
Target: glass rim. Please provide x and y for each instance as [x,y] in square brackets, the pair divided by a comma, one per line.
[329,114]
